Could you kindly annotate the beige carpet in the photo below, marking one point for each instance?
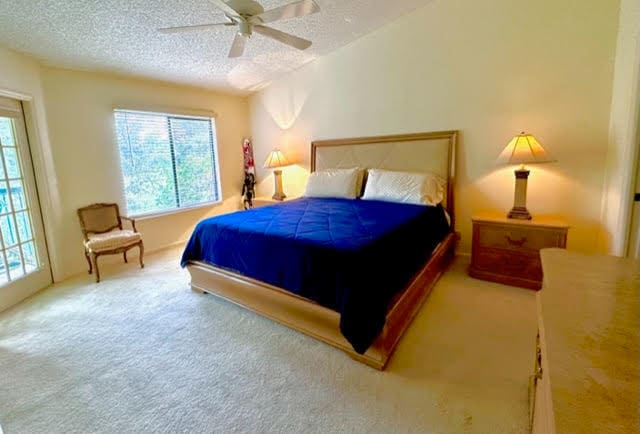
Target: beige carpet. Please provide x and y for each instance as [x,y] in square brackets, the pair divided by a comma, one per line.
[140,352]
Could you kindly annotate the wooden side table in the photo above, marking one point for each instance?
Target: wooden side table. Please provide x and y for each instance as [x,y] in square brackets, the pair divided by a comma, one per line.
[507,250]
[261,201]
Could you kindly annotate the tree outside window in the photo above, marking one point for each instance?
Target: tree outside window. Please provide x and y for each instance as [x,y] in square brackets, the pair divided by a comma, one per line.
[168,161]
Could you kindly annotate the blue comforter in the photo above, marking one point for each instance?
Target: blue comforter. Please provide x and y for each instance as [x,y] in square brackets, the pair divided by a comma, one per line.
[351,256]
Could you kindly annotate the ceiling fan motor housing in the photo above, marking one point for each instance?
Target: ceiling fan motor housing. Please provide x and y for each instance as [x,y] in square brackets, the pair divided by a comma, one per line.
[249,15]
[244,28]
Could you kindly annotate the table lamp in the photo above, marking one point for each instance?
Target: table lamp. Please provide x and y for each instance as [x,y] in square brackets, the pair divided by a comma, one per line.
[276,159]
[522,149]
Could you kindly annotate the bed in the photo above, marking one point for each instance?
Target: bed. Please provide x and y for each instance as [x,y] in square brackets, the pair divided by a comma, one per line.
[352,273]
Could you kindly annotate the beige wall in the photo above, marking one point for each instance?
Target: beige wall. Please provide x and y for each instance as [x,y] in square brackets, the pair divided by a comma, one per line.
[75,154]
[625,106]
[81,126]
[489,69]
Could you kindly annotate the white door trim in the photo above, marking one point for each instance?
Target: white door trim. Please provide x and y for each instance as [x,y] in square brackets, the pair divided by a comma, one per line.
[632,182]
[15,95]
[29,275]
[46,179]
[633,250]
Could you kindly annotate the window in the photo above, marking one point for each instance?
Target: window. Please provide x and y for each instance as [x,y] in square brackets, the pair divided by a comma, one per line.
[168,161]
[18,255]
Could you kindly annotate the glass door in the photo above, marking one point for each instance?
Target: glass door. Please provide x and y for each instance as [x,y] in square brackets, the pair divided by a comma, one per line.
[24,265]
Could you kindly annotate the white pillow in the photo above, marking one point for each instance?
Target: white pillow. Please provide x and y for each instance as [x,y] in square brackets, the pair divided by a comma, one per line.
[404,187]
[342,183]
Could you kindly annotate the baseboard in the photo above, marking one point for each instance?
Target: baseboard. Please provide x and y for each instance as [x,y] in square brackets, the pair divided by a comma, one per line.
[116,259]
[168,246]
[12,296]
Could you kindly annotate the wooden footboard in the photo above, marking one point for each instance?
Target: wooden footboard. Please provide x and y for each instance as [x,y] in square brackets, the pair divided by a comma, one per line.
[320,322]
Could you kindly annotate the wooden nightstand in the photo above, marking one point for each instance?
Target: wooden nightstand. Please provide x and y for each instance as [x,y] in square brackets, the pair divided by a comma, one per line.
[508,250]
[267,200]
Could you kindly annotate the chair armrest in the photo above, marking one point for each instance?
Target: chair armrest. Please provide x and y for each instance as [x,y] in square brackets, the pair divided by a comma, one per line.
[132,221]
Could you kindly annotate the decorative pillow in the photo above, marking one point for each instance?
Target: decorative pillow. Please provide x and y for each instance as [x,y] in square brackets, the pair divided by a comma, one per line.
[404,187]
[342,183]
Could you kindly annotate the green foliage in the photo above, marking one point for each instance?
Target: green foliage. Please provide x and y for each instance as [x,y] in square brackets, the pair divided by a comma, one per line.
[6,132]
[159,153]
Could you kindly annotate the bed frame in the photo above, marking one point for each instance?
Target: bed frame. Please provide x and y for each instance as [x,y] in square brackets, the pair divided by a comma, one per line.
[434,152]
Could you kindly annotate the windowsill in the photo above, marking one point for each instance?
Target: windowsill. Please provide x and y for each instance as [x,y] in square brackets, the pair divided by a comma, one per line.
[153,215]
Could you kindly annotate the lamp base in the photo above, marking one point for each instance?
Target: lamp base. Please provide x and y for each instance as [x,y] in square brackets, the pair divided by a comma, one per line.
[519,210]
[520,213]
[279,194]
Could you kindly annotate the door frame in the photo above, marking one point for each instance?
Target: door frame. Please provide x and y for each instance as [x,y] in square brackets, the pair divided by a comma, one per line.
[34,124]
[634,184]
[630,187]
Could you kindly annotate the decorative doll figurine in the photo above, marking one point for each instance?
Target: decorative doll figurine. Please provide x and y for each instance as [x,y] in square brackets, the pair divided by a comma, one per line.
[248,186]
[248,190]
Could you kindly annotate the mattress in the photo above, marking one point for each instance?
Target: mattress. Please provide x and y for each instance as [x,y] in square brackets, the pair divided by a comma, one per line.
[351,256]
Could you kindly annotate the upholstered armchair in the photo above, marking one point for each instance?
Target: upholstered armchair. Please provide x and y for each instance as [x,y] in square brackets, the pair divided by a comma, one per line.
[101,225]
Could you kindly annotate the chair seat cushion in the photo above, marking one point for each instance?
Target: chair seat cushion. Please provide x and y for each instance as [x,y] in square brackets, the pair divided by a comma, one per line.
[112,240]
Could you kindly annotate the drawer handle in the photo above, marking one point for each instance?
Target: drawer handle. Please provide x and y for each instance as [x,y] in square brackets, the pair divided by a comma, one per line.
[518,243]
[538,373]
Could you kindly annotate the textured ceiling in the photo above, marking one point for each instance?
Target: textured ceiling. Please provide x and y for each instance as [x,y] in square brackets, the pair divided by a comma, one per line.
[120,36]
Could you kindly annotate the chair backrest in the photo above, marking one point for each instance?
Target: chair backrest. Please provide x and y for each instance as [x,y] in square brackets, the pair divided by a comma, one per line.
[99,218]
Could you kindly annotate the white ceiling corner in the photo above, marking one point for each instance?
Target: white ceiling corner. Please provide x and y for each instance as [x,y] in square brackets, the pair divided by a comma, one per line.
[119,36]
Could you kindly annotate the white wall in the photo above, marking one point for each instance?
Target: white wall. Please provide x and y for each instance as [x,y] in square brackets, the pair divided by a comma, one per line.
[622,154]
[489,69]
[81,125]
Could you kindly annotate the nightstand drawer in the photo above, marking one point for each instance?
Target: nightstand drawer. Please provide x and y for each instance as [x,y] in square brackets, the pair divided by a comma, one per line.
[508,251]
[516,238]
[509,263]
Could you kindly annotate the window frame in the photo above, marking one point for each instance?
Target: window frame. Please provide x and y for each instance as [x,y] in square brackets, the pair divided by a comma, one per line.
[185,114]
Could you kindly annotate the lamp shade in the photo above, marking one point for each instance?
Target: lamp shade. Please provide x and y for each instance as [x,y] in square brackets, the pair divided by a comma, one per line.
[276,159]
[524,149]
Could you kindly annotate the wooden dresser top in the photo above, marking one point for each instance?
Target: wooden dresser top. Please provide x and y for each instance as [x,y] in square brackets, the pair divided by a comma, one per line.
[538,220]
[590,307]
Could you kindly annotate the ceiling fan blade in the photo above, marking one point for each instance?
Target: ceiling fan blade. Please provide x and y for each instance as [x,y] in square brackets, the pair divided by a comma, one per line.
[225,8]
[237,48]
[296,9]
[179,29]
[285,38]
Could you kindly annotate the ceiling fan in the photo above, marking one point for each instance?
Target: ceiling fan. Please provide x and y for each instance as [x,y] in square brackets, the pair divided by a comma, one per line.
[249,16]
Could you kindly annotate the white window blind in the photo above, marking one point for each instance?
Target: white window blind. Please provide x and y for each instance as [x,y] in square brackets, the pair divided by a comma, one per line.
[168,161]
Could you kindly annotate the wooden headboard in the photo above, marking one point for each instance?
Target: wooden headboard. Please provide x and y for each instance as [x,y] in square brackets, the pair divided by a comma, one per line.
[433,152]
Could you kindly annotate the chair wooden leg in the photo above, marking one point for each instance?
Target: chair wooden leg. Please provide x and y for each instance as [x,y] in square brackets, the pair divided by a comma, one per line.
[94,258]
[125,257]
[141,247]
[86,255]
